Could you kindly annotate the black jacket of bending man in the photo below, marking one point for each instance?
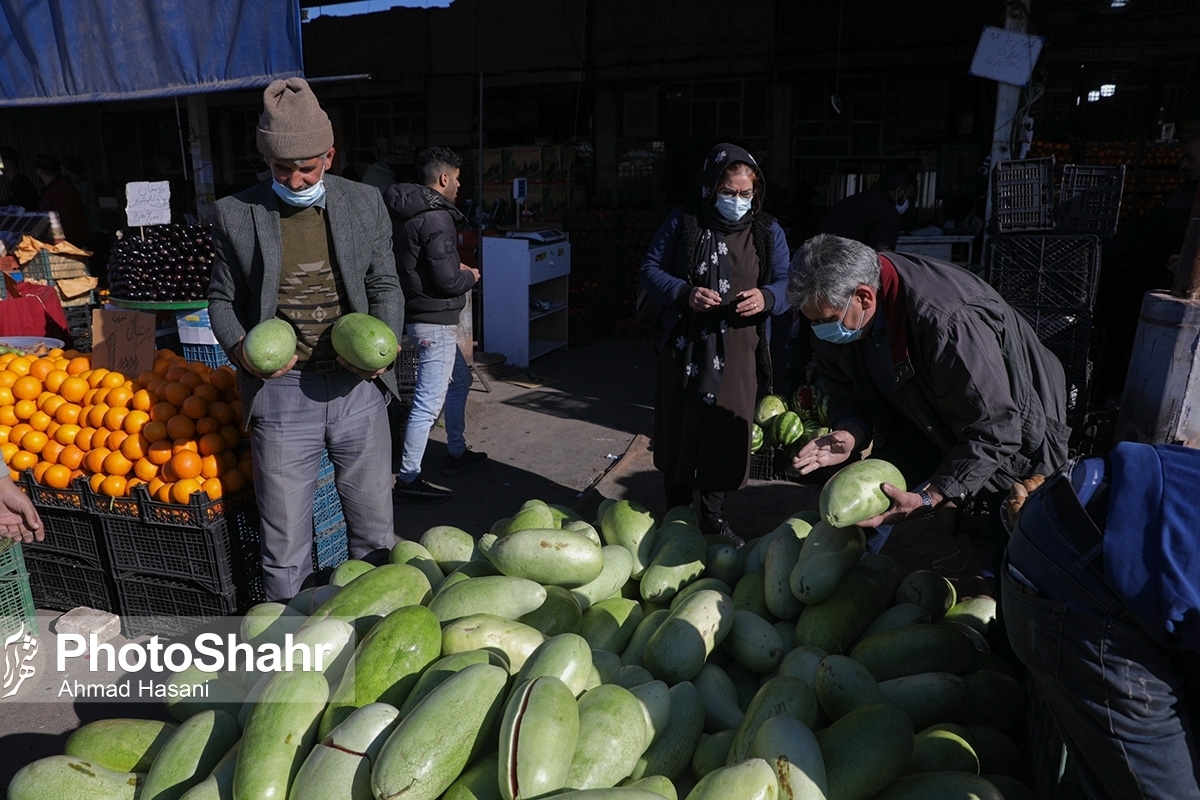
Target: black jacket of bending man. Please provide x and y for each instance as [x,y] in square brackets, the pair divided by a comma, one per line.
[425,243]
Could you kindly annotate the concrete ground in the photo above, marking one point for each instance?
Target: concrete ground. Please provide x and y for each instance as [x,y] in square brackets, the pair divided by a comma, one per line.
[571,429]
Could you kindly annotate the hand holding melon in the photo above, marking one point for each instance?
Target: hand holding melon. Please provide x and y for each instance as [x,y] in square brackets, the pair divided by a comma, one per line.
[365,345]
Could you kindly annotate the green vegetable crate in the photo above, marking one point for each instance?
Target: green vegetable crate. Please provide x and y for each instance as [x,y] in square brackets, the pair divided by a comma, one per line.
[16,602]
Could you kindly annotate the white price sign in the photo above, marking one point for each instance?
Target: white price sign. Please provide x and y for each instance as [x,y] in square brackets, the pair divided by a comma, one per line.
[147,203]
[1006,56]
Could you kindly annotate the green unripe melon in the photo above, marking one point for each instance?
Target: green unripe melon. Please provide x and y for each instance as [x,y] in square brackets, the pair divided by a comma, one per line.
[270,345]
[364,341]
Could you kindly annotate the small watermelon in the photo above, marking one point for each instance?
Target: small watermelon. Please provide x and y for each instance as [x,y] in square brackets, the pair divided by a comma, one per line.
[788,428]
[768,409]
[756,438]
[270,345]
[855,493]
[364,341]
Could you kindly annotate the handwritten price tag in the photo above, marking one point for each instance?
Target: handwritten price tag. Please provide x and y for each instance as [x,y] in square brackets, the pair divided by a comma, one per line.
[147,203]
[1006,56]
[123,341]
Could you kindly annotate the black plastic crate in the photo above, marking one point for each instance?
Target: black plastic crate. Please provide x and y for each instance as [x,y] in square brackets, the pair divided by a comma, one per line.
[1022,195]
[1046,271]
[198,512]
[210,557]
[151,604]
[69,529]
[1067,334]
[766,464]
[1089,199]
[62,583]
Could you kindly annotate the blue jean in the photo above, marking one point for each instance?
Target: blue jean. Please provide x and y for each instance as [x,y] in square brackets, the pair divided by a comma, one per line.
[295,417]
[443,378]
[1115,695]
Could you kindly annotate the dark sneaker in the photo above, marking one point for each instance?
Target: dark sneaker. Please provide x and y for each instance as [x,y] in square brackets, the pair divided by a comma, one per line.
[469,458]
[419,491]
[719,527]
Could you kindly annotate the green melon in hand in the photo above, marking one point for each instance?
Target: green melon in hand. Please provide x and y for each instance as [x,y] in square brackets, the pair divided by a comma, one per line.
[855,492]
[270,345]
[364,341]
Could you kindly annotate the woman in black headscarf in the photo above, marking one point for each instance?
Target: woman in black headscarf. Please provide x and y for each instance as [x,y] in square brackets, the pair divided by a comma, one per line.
[718,267]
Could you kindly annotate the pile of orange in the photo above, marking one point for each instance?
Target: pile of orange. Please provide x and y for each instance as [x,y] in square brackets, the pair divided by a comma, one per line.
[177,428]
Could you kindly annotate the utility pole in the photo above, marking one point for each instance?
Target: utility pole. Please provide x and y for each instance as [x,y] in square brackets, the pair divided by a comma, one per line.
[1161,401]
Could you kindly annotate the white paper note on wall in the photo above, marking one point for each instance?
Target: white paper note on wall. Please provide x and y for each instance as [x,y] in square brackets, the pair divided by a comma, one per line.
[147,203]
[1006,56]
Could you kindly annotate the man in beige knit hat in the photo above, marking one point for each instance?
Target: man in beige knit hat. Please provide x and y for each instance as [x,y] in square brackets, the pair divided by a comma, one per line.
[308,247]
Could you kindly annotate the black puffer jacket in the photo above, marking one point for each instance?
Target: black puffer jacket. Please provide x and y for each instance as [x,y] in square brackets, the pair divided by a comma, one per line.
[426,248]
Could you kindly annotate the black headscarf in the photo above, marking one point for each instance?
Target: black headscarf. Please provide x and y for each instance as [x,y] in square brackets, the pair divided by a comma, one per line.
[702,347]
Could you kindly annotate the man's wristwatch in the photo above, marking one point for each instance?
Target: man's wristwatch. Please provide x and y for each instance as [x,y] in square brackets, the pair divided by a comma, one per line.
[926,503]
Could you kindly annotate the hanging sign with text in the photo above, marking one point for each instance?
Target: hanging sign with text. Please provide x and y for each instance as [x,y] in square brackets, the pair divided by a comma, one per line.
[1006,56]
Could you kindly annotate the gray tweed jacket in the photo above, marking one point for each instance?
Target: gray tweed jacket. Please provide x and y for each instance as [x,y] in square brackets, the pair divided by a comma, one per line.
[244,289]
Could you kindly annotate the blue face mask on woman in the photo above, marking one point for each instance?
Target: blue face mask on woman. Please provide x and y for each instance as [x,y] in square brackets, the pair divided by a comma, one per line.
[303,198]
[733,207]
[836,332]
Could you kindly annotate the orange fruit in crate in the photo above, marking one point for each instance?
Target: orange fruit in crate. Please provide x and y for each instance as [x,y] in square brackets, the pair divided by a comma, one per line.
[4,429]
[96,396]
[231,435]
[155,431]
[51,403]
[22,460]
[207,392]
[57,477]
[182,490]
[51,451]
[115,439]
[94,460]
[34,441]
[79,364]
[207,425]
[67,413]
[175,372]
[41,368]
[186,464]
[96,415]
[39,471]
[153,485]
[24,409]
[19,430]
[8,377]
[230,459]
[163,495]
[54,379]
[114,418]
[233,481]
[143,400]
[20,365]
[27,387]
[135,446]
[8,415]
[191,379]
[223,378]
[159,452]
[71,457]
[94,376]
[6,396]
[212,487]
[221,412]
[179,445]
[8,450]
[145,469]
[181,427]
[211,443]
[94,481]
[135,421]
[175,393]
[66,433]
[119,397]
[163,411]
[84,438]
[113,486]
[115,463]
[73,389]
[113,380]
[194,407]
[211,466]
[40,420]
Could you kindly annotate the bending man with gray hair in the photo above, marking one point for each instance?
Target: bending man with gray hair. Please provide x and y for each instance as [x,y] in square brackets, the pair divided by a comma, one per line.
[927,363]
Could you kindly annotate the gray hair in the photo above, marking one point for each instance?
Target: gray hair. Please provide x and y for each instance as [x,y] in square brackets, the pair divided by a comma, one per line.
[827,268]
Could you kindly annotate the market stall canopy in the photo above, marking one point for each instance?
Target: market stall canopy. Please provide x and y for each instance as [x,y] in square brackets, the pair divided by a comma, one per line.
[86,51]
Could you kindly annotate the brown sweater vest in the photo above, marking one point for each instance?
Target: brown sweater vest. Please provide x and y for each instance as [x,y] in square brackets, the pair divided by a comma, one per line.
[311,295]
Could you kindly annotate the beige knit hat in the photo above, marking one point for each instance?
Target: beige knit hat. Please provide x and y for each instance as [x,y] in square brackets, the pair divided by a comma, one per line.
[292,124]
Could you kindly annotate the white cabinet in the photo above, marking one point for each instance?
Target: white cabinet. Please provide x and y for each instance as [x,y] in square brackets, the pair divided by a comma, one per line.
[525,290]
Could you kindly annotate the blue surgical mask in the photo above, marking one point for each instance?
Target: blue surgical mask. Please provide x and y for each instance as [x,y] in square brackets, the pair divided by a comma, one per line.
[902,207]
[733,207]
[837,332]
[304,198]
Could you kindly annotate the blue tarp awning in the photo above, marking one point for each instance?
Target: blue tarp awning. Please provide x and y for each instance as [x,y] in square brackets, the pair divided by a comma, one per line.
[87,51]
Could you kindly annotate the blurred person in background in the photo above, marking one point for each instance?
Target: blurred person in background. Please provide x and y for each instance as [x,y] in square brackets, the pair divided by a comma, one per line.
[60,196]
[373,171]
[718,270]
[16,189]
